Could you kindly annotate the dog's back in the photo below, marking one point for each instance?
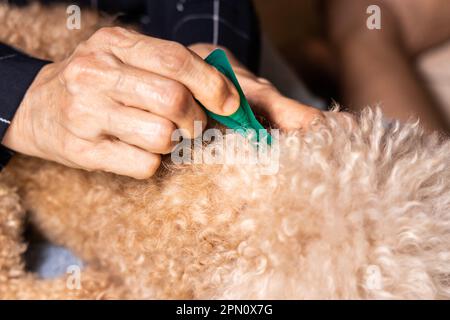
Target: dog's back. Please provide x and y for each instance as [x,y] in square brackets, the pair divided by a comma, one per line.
[356,210]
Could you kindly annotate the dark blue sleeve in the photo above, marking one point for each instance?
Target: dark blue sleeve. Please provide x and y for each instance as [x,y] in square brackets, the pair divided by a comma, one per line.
[229,23]
[17,72]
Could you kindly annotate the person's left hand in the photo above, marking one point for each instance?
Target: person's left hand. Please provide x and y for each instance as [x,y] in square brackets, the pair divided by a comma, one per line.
[264,98]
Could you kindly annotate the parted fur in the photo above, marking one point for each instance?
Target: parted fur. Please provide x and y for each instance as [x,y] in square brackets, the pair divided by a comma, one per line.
[357,210]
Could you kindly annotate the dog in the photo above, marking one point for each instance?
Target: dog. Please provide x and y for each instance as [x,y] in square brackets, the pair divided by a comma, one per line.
[357,210]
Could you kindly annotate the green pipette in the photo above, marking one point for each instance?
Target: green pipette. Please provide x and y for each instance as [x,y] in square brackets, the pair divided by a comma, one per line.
[243,120]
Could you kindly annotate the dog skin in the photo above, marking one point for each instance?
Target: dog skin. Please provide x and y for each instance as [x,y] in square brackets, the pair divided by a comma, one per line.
[357,210]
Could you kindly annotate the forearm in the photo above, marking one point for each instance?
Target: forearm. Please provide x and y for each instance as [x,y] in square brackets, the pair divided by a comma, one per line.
[377,66]
[379,71]
[424,24]
[417,24]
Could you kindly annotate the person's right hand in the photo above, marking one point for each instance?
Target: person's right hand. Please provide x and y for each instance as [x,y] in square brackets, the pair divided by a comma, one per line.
[114,103]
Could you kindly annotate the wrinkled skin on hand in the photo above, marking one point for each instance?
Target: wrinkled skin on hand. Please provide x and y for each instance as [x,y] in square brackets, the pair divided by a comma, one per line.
[114,103]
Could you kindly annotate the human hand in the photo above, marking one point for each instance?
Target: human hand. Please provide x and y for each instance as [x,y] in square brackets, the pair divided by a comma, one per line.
[115,102]
[264,98]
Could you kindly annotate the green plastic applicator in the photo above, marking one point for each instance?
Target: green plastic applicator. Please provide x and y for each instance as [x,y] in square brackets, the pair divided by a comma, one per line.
[243,120]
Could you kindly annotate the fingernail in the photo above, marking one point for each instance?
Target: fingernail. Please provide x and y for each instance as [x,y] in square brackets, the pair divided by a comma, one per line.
[231,104]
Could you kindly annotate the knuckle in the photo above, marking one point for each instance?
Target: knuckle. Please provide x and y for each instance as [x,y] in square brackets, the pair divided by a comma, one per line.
[262,80]
[178,100]
[165,137]
[83,70]
[83,46]
[107,34]
[149,167]
[218,86]
[174,57]
[77,69]
[94,156]
[101,33]
[72,148]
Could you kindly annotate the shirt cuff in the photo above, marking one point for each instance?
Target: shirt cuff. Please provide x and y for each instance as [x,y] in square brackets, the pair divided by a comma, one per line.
[17,72]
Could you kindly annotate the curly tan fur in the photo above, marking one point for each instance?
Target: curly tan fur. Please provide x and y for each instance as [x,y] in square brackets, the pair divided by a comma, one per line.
[349,198]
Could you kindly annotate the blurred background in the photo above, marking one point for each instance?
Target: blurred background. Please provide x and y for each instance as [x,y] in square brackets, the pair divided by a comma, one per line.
[404,66]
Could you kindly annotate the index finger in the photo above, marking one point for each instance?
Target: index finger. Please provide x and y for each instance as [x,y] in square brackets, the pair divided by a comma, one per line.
[173,60]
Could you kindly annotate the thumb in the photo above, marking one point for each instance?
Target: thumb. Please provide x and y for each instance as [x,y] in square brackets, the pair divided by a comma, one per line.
[282,112]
